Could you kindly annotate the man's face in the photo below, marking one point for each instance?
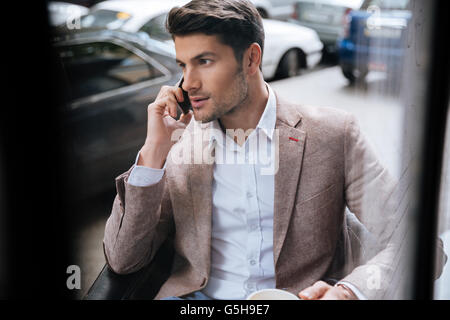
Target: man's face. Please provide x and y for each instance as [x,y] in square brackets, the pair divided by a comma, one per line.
[212,76]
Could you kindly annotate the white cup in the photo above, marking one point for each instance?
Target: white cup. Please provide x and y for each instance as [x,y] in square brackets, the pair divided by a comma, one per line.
[272,294]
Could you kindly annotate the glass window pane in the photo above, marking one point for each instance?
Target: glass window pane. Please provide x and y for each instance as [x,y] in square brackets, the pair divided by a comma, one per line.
[381,78]
[99,67]
[105,19]
[375,77]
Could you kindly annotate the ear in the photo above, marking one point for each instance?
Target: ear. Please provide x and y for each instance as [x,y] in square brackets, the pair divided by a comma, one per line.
[252,58]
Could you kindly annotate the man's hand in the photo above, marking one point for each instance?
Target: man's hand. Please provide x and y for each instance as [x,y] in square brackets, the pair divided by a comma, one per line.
[323,291]
[160,125]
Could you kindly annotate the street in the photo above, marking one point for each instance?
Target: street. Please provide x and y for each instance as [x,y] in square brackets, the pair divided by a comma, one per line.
[380,115]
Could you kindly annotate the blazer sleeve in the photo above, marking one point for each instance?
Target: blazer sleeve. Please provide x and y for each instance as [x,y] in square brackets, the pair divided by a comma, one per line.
[140,221]
[374,196]
[381,203]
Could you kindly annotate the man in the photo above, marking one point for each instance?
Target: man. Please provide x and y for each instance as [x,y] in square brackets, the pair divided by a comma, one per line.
[236,228]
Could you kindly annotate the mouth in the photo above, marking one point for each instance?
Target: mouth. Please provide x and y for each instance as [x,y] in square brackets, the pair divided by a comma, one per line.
[198,102]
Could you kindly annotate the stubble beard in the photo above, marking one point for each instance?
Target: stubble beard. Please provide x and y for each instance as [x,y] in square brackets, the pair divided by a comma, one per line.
[239,95]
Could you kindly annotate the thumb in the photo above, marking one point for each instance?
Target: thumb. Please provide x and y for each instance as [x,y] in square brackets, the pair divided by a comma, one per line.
[186,118]
[315,291]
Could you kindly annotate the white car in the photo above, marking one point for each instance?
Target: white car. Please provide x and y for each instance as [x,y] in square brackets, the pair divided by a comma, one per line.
[288,47]
[275,9]
[62,12]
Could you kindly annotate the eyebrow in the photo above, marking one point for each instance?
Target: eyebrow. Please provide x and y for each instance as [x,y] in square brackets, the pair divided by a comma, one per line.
[199,56]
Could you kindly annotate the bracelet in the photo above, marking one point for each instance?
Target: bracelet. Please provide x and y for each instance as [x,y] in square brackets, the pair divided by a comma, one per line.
[349,291]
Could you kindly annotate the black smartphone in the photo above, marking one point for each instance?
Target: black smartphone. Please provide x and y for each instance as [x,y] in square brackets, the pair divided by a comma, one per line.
[186,104]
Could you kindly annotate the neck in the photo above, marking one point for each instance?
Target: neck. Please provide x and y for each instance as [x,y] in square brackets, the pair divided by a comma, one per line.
[247,115]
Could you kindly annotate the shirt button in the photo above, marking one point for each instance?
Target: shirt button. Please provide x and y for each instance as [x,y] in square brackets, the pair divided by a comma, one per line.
[252,262]
[249,194]
[250,286]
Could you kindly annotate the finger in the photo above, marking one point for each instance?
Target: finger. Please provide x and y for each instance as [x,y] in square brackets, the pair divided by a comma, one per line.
[178,92]
[170,105]
[174,92]
[171,91]
[316,291]
[167,102]
[336,293]
[173,106]
[165,91]
[168,121]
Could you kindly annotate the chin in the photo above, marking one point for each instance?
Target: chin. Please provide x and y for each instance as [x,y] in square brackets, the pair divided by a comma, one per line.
[203,118]
[206,120]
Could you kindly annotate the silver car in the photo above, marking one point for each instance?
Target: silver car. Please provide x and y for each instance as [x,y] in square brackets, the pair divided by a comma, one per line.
[326,17]
[275,9]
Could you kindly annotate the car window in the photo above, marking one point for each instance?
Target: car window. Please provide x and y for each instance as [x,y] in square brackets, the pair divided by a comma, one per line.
[105,19]
[98,67]
[156,28]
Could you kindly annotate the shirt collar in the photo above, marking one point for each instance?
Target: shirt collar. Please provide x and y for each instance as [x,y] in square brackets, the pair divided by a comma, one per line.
[266,122]
[269,116]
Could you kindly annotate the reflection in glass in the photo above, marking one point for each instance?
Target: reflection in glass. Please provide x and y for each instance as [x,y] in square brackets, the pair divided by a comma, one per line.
[99,67]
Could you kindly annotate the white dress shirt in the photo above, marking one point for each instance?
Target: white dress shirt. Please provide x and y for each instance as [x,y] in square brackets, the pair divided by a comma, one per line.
[242,209]
[242,212]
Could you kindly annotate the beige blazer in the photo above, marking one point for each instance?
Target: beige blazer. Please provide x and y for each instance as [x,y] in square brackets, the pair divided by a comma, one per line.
[330,167]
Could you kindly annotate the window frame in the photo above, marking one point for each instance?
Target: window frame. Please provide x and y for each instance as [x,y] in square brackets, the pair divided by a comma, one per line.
[432,147]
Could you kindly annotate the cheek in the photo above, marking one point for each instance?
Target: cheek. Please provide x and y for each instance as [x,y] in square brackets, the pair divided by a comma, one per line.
[223,84]
[222,76]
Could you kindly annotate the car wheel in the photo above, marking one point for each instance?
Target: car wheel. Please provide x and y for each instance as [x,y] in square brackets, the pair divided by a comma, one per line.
[289,65]
[354,74]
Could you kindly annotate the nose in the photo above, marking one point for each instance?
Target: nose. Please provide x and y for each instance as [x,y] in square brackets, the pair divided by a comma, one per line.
[191,81]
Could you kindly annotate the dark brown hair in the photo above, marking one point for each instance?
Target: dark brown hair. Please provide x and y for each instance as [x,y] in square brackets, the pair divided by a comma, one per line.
[237,23]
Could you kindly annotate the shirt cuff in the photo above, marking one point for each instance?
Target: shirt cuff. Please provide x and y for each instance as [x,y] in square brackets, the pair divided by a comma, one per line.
[355,290]
[142,176]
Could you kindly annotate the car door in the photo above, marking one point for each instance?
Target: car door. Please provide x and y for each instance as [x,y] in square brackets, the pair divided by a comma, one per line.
[110,84]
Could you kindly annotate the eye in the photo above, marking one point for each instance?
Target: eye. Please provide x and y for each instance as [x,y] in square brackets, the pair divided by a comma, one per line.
[181,65]
[205,61]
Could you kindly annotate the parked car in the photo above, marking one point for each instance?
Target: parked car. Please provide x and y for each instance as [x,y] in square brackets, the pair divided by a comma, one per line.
[374,39]
[288,47]
[275,9]
[110,78]
[326,17]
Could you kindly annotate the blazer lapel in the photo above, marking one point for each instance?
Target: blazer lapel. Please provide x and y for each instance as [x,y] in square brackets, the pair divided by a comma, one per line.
[200,183]
[291,144]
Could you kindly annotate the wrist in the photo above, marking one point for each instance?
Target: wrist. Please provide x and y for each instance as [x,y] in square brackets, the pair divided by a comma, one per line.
[152,156]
